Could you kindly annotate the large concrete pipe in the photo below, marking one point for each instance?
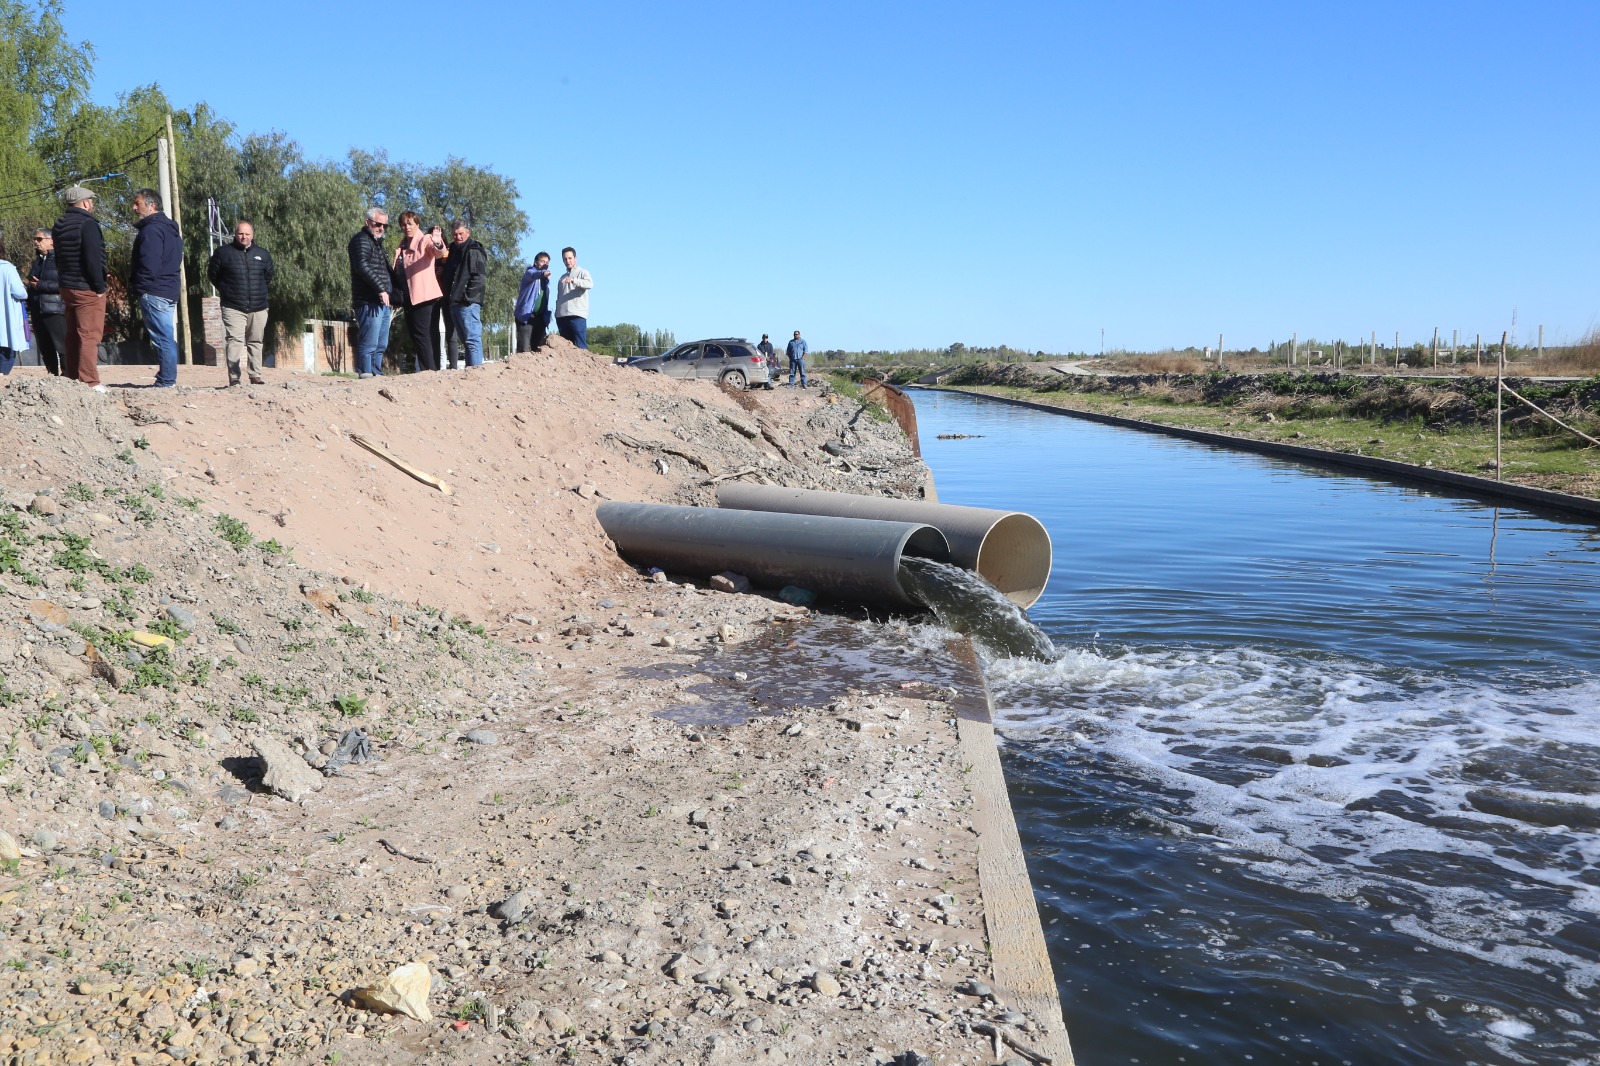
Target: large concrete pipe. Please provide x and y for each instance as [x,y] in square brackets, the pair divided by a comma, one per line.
[1010,549]
[844,558]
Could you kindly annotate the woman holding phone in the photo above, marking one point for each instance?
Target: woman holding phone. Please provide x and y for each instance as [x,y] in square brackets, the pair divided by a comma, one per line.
[414,261]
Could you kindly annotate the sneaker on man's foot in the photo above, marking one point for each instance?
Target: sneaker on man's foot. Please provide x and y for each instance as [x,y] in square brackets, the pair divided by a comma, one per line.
[363,375]
[101,388]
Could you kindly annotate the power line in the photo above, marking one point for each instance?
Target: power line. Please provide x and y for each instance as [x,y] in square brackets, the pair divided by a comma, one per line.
[17,198]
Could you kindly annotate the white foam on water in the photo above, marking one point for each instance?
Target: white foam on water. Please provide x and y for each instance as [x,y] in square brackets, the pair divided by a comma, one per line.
[1226,735]
[1511,1028]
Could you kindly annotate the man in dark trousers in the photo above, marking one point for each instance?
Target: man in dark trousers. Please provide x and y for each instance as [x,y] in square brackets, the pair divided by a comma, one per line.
[242,271]
[81,268]
[532,311]
[157,259]
[45,308]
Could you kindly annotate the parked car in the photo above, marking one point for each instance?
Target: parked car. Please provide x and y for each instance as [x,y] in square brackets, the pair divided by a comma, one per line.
[733,361]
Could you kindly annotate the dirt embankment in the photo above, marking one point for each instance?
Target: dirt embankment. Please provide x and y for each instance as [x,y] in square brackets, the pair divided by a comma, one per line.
[205,591]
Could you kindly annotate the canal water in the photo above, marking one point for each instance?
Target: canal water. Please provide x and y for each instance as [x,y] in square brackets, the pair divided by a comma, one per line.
[1315,777]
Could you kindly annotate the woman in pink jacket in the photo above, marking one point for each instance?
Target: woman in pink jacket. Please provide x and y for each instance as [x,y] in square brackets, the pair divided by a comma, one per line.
[414,259]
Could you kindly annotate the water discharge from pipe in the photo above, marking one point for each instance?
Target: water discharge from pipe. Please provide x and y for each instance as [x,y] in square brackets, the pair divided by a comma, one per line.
[965,603]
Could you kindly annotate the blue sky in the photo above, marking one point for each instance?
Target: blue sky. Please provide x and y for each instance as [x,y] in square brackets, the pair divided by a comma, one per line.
[888,175]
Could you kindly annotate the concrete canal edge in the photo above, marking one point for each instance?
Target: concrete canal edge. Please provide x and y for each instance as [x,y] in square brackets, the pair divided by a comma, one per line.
[1469,484]
[1019,959]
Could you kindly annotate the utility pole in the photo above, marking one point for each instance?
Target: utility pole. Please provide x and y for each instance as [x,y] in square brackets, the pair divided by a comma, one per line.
[1374,347]
[1219,351]
[1455,342]
[1294,348]
[1102,342]
[177,217]
[1436,347]
[1541,341]
[1397,349]
[1477,346]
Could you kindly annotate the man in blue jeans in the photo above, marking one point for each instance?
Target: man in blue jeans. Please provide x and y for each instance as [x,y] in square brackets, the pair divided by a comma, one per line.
[157,256]
[370,285]
[572,300]
[797,360]
[469,272]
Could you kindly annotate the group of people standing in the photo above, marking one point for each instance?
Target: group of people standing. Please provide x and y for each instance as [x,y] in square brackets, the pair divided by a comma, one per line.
[435,281]
[65,292]
[795,352]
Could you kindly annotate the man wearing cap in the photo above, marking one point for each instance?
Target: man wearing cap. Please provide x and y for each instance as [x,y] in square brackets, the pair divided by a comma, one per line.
[770,354]
[81,268]
[157,255]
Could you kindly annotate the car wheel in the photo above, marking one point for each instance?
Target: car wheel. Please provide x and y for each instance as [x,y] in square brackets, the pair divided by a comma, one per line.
[734,379]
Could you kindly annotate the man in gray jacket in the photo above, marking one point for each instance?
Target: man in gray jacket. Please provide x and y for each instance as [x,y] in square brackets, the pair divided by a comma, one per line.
[572,300]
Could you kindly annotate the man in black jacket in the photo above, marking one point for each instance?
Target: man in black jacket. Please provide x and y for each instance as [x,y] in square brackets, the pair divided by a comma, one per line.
[242,272]
[49,314]
[469,272]
[370,285]
[81,268]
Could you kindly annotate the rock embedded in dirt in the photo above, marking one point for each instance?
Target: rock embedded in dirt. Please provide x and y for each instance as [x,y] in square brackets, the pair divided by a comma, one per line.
[728,581]
[481,736]
[514,907]
[285,773]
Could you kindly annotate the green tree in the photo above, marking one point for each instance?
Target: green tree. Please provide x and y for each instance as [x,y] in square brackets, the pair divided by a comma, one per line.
[44,76]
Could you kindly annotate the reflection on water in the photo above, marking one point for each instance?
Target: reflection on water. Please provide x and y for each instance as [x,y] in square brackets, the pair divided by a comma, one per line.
[1316,776]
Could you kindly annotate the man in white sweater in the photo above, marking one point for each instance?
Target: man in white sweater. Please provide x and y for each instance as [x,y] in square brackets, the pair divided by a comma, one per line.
[572,300]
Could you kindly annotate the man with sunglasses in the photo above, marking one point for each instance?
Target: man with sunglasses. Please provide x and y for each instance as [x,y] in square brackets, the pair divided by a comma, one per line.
[370,286]
[45,306]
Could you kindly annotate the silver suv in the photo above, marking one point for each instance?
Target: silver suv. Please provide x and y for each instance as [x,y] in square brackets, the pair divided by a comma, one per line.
[733,361]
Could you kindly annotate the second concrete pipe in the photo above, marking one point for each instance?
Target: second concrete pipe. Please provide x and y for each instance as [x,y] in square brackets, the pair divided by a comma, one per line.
[1009,549]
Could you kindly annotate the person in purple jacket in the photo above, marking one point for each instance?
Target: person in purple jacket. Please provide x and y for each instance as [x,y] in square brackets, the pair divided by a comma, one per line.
[157,257]
[533,305]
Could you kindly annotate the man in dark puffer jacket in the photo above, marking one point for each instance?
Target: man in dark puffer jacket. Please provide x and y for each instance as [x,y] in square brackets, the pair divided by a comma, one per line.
[370,285]
[81,267]
[242,272]
[44,303]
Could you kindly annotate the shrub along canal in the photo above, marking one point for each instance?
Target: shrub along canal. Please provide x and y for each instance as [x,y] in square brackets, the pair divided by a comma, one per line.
[1316,775]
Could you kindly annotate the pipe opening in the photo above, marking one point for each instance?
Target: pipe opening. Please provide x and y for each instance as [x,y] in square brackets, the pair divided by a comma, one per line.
[926,543]
[1015,558]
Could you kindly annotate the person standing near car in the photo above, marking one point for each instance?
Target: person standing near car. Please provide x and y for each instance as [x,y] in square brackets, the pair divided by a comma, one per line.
[770,354]
[81,268]
[797,360]
[243,271]
[572,300]
[370,286]
[45,308]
